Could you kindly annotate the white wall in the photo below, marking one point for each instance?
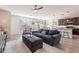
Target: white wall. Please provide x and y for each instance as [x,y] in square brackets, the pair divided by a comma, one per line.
[5,20]
[17,23]
[15,28]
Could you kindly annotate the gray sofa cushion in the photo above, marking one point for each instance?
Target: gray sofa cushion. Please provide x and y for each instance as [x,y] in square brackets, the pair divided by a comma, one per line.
[38,34]
[46,36]
[52,37]
[52,32]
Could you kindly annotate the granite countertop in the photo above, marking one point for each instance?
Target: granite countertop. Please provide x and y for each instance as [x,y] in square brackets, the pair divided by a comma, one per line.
[76,26]
[69,26]
[64,28]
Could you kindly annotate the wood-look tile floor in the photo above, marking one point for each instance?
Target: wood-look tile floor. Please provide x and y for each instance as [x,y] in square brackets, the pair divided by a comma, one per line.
[15,45]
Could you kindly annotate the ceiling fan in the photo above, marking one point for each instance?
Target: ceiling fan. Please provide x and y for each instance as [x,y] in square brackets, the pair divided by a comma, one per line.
[36,7]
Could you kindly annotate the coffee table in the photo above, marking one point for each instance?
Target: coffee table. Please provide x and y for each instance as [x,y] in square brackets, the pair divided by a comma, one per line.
[33,43]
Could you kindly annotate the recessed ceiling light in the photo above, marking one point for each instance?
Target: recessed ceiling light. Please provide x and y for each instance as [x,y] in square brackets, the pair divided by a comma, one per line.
[68,11]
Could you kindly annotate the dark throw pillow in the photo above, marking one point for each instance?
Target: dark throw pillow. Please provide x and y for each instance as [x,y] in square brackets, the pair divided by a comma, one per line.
[40,30]
[43,32]
[47,32]
[52,32]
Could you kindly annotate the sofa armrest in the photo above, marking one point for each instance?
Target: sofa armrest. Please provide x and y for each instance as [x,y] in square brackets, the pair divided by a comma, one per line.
[56,39]
[56,35]
[35,32]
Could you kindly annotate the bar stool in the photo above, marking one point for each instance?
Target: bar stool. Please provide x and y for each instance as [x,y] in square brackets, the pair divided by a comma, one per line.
[66,34]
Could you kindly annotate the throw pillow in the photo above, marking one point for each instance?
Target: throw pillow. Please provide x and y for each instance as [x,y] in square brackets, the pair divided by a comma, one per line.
[52,32]
[43,32]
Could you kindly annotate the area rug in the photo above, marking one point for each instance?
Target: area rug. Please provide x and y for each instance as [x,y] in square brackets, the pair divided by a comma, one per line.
[17,46]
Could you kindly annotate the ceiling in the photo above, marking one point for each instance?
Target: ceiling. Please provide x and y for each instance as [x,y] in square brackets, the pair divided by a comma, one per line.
[48,12]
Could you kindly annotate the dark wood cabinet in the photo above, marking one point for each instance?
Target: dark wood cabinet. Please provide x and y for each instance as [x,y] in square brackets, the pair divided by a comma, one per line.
[69,21]
[76,21]
[75,31]
[62,22]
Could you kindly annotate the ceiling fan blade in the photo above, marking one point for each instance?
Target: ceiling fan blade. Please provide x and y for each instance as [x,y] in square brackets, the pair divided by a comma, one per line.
[40,8]
[37,8]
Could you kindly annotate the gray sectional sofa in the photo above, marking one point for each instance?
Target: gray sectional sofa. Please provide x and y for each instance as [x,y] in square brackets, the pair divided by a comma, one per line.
[51,37]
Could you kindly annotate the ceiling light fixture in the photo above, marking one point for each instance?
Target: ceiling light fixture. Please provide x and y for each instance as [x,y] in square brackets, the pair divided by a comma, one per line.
[36,8]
